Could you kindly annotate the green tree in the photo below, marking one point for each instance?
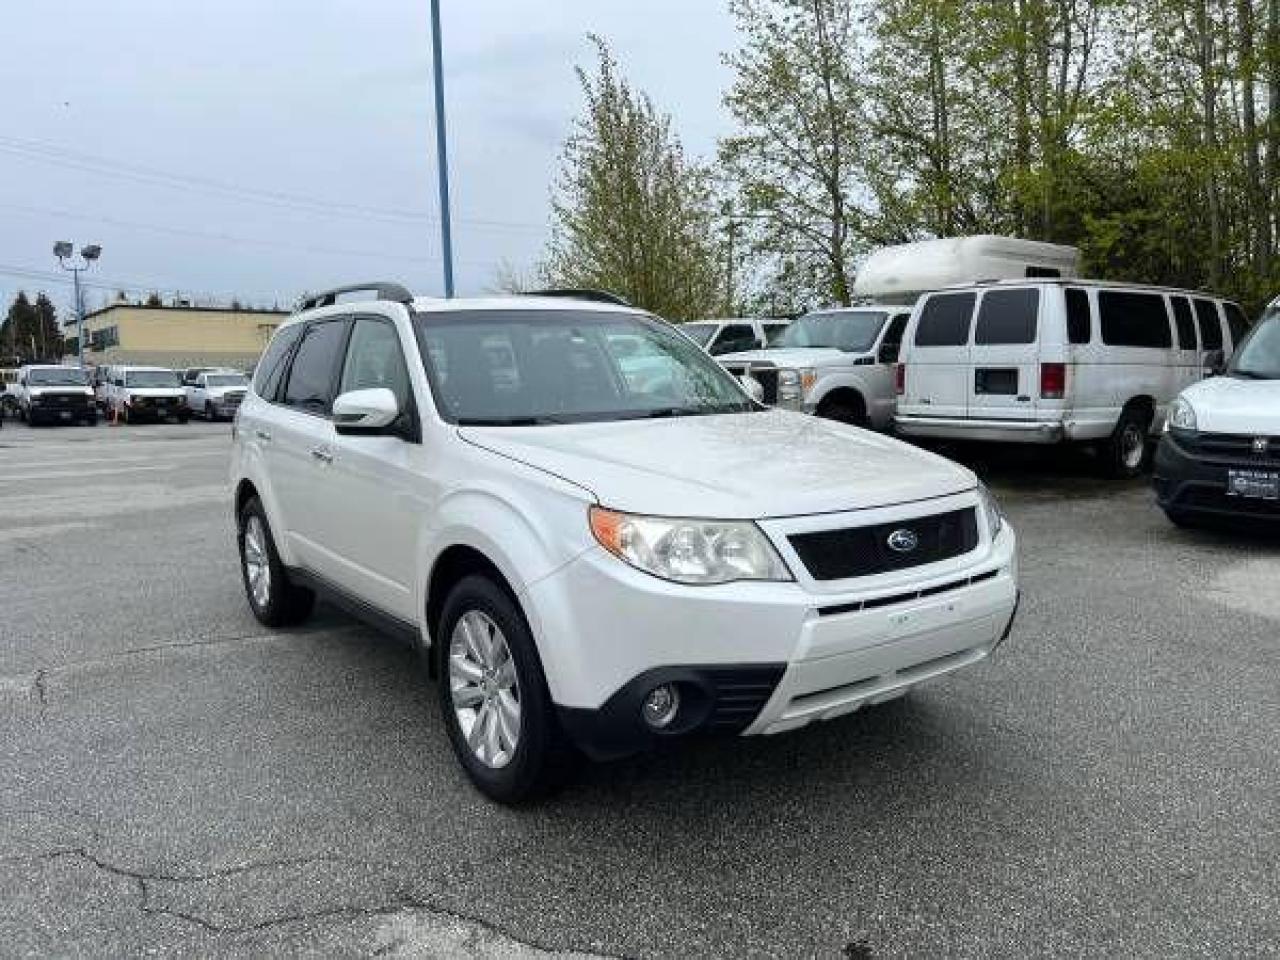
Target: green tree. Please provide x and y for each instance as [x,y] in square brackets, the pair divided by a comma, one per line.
[19,330]
[631,214]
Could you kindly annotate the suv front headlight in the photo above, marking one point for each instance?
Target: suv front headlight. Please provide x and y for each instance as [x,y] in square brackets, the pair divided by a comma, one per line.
[1182,416]
[688,550]
[991,509]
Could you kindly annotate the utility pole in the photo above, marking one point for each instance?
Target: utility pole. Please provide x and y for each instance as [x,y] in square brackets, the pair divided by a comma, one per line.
[731,230]
[442,153]
[64,251]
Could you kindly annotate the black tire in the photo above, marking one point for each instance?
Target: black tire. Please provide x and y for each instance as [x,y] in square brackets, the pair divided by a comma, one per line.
[22,414]
[852,412]
[1182,519]
[1126,452]
[541,755]
[209,413]
[184,417]
[283,603]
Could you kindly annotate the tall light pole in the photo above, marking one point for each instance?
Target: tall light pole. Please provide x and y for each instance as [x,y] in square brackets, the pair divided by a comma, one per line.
[64,251]
[442,152]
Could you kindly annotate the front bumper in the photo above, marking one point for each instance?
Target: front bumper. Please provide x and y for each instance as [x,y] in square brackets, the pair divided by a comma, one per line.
[1190,483]
[756,658]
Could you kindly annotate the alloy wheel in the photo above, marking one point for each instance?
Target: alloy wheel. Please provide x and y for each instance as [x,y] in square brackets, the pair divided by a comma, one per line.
[257,565]
[484,690]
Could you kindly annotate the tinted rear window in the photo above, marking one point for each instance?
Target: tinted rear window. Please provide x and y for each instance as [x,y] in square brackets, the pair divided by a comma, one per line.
[1133,319]
[944,320]
[1185,322]
[1236,322]
[1007,316]
[1079,325]
[1210,326]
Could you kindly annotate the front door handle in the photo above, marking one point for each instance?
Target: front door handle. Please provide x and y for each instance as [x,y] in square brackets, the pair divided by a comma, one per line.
[322,454]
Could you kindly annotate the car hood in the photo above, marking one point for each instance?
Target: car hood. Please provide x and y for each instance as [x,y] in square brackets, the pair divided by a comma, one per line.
[155,392]
[747,466]
[790,356]
[1236,405]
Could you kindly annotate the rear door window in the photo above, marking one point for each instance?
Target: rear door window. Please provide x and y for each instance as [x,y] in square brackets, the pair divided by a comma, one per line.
[1185,323]
[1007,316]
[1210,326]
[945,320]
[891,345]
[1131,319]
[734,337]
[1079,323]
[314,371]
[1236,322]
[266,381]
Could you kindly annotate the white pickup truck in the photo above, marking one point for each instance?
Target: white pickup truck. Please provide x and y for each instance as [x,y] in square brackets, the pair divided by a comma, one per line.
[216,394]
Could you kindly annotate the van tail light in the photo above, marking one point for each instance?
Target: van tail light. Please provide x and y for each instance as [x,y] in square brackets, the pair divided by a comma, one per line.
[900,379]
[1053,381]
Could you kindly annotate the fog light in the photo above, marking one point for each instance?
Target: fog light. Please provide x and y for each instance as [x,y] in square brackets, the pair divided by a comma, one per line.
[660,706]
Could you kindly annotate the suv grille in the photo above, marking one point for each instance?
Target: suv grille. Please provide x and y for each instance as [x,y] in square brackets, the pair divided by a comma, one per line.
[864,551]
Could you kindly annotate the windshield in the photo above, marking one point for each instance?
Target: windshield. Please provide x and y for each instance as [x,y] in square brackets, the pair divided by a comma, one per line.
[151,378]
[699,332]
[522,368]
[57,377]
[773,332]
[1259,356]
[850,331]
[226,380]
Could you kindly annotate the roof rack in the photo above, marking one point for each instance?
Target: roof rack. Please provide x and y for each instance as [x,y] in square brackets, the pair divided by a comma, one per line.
[382,290]
[595,296]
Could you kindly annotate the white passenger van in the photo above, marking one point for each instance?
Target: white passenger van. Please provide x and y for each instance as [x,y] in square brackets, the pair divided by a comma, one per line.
[1045,361]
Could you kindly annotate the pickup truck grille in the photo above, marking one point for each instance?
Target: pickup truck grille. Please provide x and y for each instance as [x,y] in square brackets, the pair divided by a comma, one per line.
[64,401]
[865,551]
[766,374]
[1236,447]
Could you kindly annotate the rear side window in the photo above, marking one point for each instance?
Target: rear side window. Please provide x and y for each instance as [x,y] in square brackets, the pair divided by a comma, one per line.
[266,381]
[1007,316]
[1185,323]
[1079,325]
[891,345]
[1133,319]
[1210,327]
[315,366]
[1236,322]
[945,320]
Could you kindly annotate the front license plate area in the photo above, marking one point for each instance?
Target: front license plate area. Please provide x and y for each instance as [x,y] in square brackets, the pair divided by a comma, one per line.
[1254,484]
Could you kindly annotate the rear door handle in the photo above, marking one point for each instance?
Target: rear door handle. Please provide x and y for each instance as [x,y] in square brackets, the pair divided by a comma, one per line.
[322,454]
[263,435]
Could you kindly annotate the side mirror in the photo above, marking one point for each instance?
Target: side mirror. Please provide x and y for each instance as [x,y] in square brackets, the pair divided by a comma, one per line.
[753,387]
[1215,363]
[365,411]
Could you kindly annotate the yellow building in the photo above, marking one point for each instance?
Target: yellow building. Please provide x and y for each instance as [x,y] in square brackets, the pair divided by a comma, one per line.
[178,336]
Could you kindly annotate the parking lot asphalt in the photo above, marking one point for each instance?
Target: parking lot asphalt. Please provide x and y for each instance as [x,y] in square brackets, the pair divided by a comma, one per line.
[176,779]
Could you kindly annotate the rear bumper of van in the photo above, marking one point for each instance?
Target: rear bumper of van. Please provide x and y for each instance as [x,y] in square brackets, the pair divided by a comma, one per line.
[965,428]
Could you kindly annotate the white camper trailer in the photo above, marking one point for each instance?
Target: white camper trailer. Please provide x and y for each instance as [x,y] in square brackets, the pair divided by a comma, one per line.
[901,274]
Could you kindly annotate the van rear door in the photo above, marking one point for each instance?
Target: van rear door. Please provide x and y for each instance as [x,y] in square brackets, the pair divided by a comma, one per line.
[937,375]
[1005,380]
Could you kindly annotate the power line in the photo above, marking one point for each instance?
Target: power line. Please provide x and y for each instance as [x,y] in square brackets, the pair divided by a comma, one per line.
[35,150]
[133,286]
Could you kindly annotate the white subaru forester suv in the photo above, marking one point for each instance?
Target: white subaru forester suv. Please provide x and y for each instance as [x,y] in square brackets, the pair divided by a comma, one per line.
[590,555]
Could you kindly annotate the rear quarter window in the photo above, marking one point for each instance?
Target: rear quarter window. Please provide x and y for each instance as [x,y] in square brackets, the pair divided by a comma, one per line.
[1130,319]
[266,382]
[1008,317]
[945,320]
[1210,326]
[1185,323]
[1079,321]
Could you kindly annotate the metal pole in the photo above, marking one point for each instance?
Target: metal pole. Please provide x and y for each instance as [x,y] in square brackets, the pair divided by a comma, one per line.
[442,152]
[79,318]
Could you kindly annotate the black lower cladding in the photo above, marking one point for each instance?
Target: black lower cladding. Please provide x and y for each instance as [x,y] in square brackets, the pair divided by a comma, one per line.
[863,551]
[717,698]
[1190,476]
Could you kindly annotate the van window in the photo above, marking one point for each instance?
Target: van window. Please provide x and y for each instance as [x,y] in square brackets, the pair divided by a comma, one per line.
[1210,327]
[1133,319]
[1007,316]
[945,319]
[1185,323]
[1236,322]
[1079,323]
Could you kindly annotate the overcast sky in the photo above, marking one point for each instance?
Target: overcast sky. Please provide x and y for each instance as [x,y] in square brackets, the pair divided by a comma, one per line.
[262,147]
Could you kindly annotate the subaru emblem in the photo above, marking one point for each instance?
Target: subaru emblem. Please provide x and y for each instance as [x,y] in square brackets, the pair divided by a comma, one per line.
[903,540]
[1261,444]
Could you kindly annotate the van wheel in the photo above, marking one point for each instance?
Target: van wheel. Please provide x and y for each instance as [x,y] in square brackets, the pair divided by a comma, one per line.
[494,696]
[1126,451]
[852,412]
[274,600]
